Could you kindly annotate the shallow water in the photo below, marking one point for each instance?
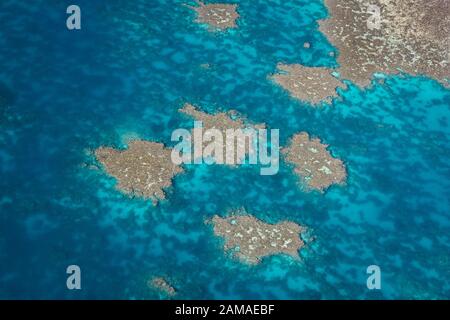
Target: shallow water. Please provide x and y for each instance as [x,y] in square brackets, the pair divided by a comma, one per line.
[125,74]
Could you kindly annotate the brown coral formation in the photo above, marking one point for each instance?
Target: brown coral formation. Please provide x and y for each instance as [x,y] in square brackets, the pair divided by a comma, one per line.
[313,162]
[162,285]
[224,121]
[218,16]
[220,120]
[252,239]
[312,84]
[413,36]
[144,169]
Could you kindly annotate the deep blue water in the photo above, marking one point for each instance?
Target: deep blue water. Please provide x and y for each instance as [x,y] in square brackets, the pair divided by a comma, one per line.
[129,69]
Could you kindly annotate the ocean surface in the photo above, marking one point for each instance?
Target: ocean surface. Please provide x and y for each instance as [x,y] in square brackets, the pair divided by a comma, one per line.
[124,75]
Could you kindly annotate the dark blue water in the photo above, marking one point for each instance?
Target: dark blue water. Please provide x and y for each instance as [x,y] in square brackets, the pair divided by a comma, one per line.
[125,74]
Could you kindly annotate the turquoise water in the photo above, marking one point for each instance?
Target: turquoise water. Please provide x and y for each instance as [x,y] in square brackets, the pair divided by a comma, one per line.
[125,74]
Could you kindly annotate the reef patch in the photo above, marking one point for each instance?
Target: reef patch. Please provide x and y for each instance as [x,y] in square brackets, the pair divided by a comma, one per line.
[313,163]
[311,84]
[143,169]
[162,285]
[410,36]
[251,239]
[218,16]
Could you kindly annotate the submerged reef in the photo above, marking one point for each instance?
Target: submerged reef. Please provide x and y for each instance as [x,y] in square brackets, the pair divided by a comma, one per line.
[218,16]
[144,169]
[312,84]
[313,162]
[162,285]
[251,239]
[407,35]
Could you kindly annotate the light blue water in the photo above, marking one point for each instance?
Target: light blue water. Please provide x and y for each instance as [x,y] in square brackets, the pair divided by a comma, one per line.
[126,73]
